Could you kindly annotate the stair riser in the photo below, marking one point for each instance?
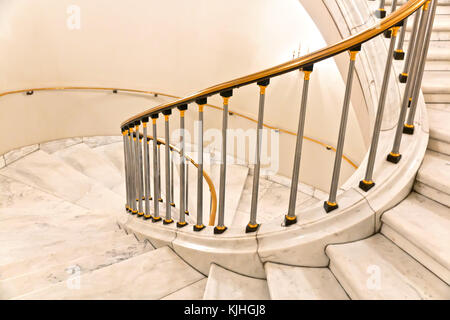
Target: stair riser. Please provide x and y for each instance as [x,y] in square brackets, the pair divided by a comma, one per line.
[435,36]
[432,193]
[439,146]
[437,98]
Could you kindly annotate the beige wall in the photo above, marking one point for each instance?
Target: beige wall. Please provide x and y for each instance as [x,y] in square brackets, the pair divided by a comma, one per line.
[174,46]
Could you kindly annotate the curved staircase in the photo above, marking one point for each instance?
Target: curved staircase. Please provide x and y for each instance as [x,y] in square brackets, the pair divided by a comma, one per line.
[64,229]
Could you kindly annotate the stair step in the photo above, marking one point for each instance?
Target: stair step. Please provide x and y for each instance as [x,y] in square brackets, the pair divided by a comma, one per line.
[439,130]
[273,200]
[236,176]
[375,268]
[420,226]
[49,173]
[114,153]
[194,291]
[40,260]
[93,165]
[435,88]
[433,177]
[128,248]
[152,275]
[227,285]
[300,283]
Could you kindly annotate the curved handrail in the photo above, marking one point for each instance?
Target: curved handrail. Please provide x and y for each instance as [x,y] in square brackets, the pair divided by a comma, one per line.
[327,146]
[212,189]
[392,20]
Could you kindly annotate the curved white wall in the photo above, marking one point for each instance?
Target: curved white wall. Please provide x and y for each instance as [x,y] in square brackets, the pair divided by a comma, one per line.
[174,46]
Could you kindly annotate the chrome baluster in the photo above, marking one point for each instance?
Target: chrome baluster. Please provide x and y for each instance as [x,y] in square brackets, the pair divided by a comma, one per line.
[199,225]
[331,204]
[159,171]
[403,77]
[408,127]
[186,197]
[182,220]
[131,137]
[156,192]
[394,156]
[135,172]
[125,155]
[380,13]
[147,214]
[140,176]
[291,218]
[367,183]
[172,199]
[168,219]
[399,54]
[388,32]
[223,164]
[253,226]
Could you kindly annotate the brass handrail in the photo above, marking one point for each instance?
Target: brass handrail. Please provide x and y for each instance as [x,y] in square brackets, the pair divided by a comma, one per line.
[212,189]
[2,94]
[393,19]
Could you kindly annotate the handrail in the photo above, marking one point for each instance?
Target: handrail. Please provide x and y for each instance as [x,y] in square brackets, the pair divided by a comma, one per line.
[212,189]
[392,20]
[327,146]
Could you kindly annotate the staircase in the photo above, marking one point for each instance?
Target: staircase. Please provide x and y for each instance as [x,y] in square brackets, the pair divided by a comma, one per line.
[61,208]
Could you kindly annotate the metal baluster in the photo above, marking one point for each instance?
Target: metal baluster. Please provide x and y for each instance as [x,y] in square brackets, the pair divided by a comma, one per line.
[147,214]
[399,54]
[403,77]
[199,225]
[380,13]
[394,156]
[253,226]
[139,171]
[291,218]
[186,197]
[388,32]
[331,204]
[156,191]
[125,155]
[223,164]
[168,219]
[367,183]
[409,125]
[172,199]
[136,168]
[182,220]
[132,136]
[159,171]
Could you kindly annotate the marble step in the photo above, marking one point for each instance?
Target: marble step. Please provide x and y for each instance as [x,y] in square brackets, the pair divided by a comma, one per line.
[439,121]
[152,275]
[302,283]
[441,28]
[93,165]
[114,153]
[375,268]
[42,259]
[420,226]
[273,201]
[435,88]
[227,285]
[236,176]
[49,173]
[433,177]
[126,249]
[194,291]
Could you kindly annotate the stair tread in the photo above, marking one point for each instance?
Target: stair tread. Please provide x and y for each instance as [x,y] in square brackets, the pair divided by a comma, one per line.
[114,153]
[194,291]
[236,176]
[120,251]
[375,268]
[93,165]
[439,121]
[300,283]
[434,172]
[227,285]
[42,259]
[49,173]
[154,275]
[436,82]
[425,223]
